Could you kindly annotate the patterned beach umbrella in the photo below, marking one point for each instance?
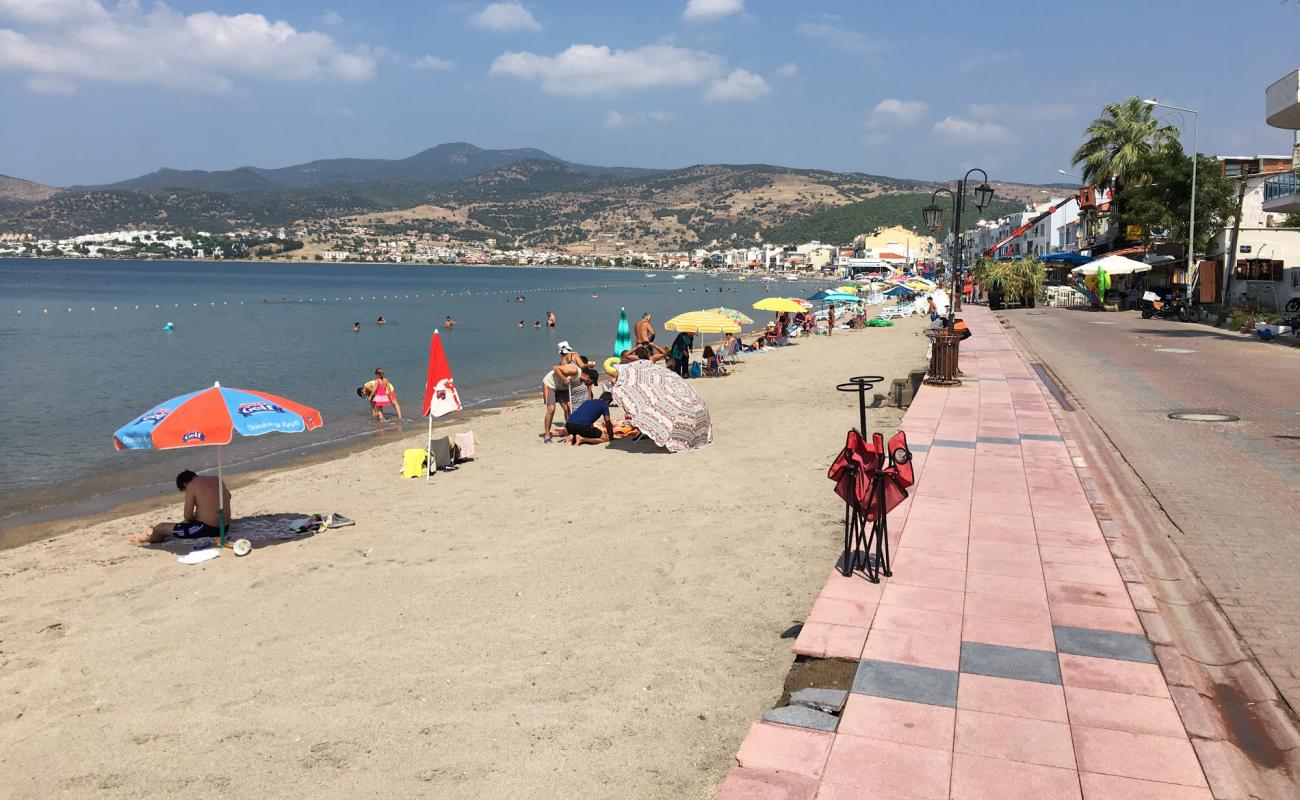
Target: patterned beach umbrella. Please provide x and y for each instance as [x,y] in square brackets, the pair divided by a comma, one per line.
[738,316]
[663,406]
[213,416]
[623,338]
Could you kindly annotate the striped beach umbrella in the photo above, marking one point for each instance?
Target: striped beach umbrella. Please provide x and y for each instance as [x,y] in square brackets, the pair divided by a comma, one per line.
[663,406]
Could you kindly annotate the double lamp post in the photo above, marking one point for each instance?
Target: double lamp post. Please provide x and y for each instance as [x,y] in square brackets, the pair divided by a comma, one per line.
[943,370]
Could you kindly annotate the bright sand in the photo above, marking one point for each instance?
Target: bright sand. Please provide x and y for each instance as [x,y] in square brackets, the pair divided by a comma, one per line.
[545,622]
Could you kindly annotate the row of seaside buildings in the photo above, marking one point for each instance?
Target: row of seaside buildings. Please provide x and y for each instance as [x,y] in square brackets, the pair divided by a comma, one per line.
[1256,259]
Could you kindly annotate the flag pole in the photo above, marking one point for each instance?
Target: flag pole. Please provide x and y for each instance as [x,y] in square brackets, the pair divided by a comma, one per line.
[429,464]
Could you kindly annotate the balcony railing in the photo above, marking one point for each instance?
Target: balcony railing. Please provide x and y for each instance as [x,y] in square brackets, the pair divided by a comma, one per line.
[1283,185]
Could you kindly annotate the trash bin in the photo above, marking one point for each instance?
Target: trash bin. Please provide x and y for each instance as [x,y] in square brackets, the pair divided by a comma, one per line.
[943,358]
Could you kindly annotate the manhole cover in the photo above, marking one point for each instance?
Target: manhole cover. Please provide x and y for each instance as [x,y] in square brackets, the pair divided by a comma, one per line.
[1173,350]
[1203,416]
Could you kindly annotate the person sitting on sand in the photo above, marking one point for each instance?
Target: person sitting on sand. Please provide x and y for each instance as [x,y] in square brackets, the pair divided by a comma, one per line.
[382,394]
[200,511]
[581,425]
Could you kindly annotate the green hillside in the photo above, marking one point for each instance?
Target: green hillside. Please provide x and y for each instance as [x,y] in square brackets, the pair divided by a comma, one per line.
[839,225]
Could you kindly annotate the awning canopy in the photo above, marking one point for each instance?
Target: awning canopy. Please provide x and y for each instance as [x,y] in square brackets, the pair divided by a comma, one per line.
[1065,258]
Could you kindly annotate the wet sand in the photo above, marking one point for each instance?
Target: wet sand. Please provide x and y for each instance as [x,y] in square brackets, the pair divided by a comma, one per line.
[547,621]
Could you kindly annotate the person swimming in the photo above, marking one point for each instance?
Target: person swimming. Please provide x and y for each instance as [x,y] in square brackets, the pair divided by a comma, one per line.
[449,322]
[537,324]
[521,324]
[381,320]
[356,327]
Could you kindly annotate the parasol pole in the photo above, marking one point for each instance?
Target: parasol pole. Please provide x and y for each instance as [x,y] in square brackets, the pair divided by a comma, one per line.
[428,451]
[221,503]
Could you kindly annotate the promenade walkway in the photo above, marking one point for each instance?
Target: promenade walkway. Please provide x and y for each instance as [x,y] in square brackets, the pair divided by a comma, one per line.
[1005,657]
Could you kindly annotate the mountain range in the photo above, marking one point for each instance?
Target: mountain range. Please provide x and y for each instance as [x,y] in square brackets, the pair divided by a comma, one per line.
[524,195]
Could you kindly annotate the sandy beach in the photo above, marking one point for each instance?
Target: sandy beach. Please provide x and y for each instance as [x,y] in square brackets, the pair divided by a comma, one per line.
[547,621]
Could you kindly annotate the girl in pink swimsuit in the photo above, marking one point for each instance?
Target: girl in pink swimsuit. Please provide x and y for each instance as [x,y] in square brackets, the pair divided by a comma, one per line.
[382,394]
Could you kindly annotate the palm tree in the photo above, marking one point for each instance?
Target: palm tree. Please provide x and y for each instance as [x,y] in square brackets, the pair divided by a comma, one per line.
[1118,141]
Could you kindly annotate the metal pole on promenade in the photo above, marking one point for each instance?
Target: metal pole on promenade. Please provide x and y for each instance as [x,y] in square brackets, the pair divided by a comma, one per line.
[1191,217]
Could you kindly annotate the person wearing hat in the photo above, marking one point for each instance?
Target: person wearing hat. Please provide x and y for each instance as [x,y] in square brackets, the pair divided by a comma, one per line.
[558,383]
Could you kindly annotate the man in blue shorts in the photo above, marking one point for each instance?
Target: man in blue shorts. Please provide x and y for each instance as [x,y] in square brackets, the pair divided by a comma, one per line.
[581,424]
[201,511]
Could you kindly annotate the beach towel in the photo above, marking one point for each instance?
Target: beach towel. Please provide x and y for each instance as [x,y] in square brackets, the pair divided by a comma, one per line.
[465,442]
[441,456]
[415,463]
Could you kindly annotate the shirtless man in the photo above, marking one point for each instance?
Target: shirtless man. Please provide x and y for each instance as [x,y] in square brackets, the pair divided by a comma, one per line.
[200,512]
[644,331]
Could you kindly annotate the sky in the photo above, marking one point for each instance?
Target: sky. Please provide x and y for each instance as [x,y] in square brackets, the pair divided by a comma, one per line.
[93,91]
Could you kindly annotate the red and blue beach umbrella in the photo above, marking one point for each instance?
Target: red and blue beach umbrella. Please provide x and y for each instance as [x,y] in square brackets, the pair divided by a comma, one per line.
[212,416]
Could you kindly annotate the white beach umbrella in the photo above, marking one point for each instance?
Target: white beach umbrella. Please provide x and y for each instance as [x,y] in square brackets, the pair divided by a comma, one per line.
[1114,265]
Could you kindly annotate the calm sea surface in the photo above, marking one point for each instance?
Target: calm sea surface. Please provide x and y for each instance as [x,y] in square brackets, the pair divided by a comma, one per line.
[88,351]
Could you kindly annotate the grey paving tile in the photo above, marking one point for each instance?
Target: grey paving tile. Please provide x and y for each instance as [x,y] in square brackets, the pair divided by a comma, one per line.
[918,448]
[953,443]
[935,687]
[998,440]
[1103,644]
[1017,663]
[802,717]
[1019,378]
[828,700]
[1041,437]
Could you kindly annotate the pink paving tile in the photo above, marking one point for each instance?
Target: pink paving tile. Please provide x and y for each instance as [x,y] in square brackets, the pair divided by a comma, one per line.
[786,749]
[909,575]
[1137,755]
[1003,586]
[898,721]
[1088,594]
[837,791]
[1060,519]
[1077,573]
[922,598]
[990,564]
[1014,698]
[908,557]
[915,620]
[866,763]
[856,588]
[940,527]
[979,778]
[1134,713]
[835,611]
[1032,635]
[823,640]
[1113,787]
[950,542]
[1009,503]
[1012,550]
[765,784]
[982,533]
[1112,675]
[941,651]
[1031,741]
[1096,555]
[1102,618]
[1070,538]
[1008,608]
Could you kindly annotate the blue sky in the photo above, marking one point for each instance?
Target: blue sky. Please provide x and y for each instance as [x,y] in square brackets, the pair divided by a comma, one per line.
[96,90]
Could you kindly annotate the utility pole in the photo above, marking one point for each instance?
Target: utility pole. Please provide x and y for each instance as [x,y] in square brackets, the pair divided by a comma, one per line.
[1230,262]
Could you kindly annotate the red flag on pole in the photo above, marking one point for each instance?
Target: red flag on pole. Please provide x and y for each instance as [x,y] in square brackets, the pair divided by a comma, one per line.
[439,390]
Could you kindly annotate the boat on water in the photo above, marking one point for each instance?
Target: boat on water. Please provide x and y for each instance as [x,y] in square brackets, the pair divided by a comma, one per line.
[681,276]
[651,274]
[792,277]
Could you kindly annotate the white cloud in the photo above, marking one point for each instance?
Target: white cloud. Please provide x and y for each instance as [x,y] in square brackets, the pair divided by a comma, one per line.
[585,69]
[964,131]
[840,38]
[503,17]
[987,60]
[787,70]
[434,63]
[331,17]
[45,12]
[740,84]
[618,119]
[706,10]
[892,111]
[203,51]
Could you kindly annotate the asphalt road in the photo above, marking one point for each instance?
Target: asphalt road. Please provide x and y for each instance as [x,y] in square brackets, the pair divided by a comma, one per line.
[1232,489]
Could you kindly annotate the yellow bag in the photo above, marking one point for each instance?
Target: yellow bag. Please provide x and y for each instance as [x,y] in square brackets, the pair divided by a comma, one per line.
[415,463]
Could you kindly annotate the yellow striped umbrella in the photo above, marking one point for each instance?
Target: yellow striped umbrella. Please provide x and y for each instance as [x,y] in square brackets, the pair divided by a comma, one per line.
[847,289]
[703,322]
[779,304]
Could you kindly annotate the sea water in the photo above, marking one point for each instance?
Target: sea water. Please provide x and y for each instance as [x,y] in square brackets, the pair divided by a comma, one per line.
[84,350]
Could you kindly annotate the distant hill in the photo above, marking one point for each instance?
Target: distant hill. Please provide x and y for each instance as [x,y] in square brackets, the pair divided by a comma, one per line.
[24,191]
[524,195]
[442,164]
[841,224]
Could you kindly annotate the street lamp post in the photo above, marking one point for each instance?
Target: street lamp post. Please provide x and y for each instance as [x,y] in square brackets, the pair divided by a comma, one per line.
[933,216]
[1191,217]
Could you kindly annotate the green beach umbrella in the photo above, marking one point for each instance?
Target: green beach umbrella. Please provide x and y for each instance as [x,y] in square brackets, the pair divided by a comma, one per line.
[623,339]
